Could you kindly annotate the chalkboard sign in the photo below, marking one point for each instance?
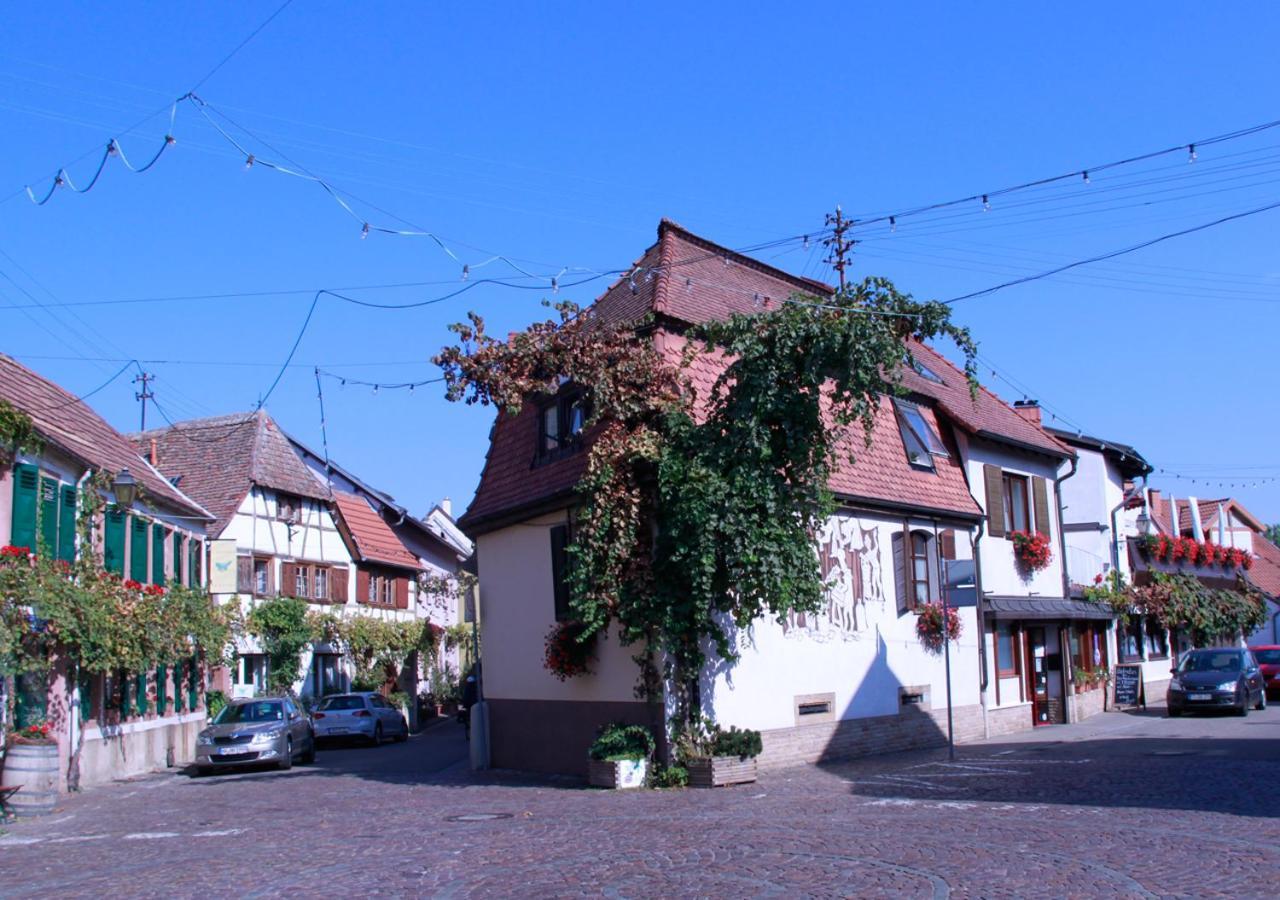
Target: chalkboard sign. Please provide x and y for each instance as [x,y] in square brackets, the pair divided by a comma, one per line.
[1129,686]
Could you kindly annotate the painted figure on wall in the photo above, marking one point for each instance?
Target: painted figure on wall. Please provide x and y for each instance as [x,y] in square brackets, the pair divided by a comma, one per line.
[850,566]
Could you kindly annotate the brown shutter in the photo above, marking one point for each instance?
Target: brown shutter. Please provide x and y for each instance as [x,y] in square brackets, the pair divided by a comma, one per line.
[1040,498]
[338,583]
[994,479]
[271,577]
[244,574]
[402,593]
[362,585]
[947,544]
[900,560]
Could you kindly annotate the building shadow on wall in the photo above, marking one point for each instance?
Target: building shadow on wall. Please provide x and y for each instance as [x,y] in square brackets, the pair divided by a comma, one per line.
[884,715]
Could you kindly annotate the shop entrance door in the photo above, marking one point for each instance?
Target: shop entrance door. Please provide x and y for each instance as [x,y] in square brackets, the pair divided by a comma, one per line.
[1038,677]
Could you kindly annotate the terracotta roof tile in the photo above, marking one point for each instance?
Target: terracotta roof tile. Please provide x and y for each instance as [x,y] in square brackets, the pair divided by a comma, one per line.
[70,424]
[373,538]
[217,459]
[1266,567]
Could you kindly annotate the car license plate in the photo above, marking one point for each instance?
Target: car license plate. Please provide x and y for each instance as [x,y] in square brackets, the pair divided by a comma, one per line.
[337,731]
[228,751]
[1199,696]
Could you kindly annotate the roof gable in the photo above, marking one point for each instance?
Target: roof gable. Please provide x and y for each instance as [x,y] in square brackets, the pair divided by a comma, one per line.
[64,420]
[371,537]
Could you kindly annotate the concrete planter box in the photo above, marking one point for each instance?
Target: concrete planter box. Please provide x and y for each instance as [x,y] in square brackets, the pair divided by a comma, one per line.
[717,771]
[617,775]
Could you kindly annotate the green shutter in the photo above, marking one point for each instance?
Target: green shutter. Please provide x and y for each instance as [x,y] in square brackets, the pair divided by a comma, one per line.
[177,687]
[193,579]
[123,681]
[193,691]
[113,541]
[138,550]
[157,554]
[67,524]
[48,516]
[26,480]
[177,557]
[162,674]
[86,695]
[140,694]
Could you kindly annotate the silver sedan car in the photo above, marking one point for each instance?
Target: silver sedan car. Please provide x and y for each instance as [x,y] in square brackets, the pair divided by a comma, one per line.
[246,732]
[365,714]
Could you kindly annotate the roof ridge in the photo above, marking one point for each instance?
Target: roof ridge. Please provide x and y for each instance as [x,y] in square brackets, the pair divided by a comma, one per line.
[749,261]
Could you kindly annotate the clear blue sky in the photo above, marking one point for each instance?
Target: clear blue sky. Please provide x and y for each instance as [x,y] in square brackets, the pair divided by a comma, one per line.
[560,133]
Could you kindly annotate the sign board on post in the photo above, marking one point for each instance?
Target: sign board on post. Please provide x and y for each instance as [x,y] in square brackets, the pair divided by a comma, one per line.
[1128,686]
[222,566]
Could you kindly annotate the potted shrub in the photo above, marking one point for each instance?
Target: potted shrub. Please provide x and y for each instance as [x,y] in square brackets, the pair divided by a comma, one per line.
[620,756]
[715,757]
[1031,549]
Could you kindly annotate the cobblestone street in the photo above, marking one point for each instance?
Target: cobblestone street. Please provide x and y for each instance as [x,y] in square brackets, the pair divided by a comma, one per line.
[1124,805]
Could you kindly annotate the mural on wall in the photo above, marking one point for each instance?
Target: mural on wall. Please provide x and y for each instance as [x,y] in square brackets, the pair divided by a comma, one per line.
[849,560]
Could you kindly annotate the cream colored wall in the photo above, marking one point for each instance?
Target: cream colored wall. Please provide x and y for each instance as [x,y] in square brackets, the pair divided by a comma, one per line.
[860,649]
[518,602]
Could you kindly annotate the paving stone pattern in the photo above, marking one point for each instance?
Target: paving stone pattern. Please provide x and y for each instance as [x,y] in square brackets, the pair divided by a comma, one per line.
[1124,805]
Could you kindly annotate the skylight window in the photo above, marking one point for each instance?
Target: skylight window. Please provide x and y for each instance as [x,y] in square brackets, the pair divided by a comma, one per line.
[925,372]
[918,437]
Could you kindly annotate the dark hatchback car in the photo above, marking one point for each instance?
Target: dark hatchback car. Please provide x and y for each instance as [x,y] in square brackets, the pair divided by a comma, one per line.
[1268,657]
[1218,678]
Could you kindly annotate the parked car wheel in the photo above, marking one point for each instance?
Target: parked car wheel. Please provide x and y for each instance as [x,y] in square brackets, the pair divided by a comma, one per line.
[404,733]
[1243,709]
[286,761]
[1262,701]
[377,735]
[309,756]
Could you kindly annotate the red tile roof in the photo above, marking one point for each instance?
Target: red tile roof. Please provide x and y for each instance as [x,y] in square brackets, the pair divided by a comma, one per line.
[373,538]
[70,424]
[685,279]
[216,460]
[1266,566]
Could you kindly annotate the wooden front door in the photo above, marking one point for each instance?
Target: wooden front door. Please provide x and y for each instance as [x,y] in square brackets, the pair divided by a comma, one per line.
[1038,677]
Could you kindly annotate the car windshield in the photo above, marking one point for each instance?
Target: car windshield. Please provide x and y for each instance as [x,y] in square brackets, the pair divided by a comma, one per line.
[1270,656]
[1209,661]
[250,712]
[346,702]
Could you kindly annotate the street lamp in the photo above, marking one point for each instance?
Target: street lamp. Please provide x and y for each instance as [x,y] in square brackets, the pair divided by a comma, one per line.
[125,487]
[1143,522]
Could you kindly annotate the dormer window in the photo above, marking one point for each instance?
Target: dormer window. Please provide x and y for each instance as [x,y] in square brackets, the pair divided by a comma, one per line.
[919,439]
[560,424]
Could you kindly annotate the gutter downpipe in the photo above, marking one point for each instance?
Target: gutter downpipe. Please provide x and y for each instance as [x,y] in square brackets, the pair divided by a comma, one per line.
[1066,588]
[982,628]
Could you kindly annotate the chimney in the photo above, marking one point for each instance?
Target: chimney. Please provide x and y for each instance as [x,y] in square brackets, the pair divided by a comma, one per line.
[447,505]
[1029,410]
[153,452]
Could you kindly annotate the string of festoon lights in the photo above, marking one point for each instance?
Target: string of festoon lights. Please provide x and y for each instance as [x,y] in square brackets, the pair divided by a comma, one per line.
[1232,481]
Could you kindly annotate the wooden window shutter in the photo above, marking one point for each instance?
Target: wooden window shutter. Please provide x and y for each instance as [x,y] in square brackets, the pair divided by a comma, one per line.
[900,561]
[26,481]
[138,533]
[1040,499]
[362,585]
[162,675]
[559,570]
[244,574]
[157,554]
[402,592]
[67,524]
[140,694]
[947,543]
[271,577]
[48,516]
[994,479]
[113,541]
[338,576]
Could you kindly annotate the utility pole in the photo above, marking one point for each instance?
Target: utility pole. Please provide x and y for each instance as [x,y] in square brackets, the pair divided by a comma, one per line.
[840,246]
[144,395]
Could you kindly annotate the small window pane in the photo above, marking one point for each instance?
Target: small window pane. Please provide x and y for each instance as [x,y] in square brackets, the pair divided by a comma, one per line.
[551,428]
[259,576]
[576,417]
[300,582]
[320,584]
[1004,648]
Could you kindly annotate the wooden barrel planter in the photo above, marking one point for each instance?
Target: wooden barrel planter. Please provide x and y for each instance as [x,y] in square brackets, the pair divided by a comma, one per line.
[34,768]
[716,771]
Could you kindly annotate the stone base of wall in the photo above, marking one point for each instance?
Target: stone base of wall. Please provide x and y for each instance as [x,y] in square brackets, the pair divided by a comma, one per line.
[912,729]
[138,748]
[1009,719]
[553,735]
[1090,703]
